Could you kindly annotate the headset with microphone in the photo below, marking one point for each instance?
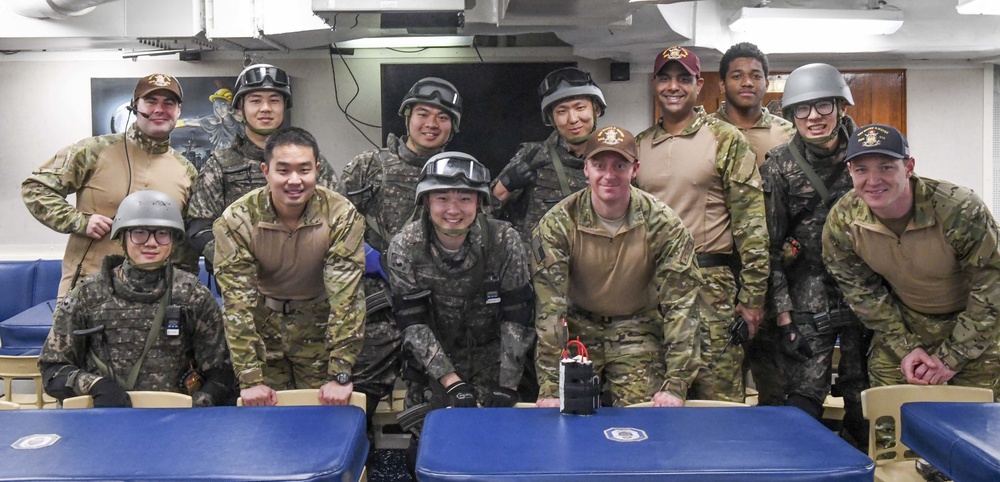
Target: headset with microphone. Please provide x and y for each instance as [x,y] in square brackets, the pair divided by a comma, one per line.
[131,108]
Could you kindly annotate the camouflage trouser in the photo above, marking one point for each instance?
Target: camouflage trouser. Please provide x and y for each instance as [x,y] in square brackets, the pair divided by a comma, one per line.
[296,346]
[721,375]
[764,357]
[478,366]
[377,366]
[627,353]
[884,365]
[811,379]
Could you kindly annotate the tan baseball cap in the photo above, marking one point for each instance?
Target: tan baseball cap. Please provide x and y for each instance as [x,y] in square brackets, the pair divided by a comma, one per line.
[614,139]
[154,82]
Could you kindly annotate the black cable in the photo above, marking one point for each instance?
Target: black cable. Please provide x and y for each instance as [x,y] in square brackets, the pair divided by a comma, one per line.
[408,51]
[477,51]
[336,96]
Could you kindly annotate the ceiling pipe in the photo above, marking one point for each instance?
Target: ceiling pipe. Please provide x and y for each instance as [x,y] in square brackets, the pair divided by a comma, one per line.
[54,9]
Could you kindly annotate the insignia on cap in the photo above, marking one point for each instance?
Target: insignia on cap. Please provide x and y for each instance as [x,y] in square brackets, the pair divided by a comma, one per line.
[159,80]
[871,138]
[611,136]
[675,53]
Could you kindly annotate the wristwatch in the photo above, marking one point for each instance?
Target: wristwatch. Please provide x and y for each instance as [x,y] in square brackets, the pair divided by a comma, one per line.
[342,378]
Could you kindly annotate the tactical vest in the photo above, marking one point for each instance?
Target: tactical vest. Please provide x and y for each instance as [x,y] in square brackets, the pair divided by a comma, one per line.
[460,317]
[127,320]
[241,172]
[546,192]
[389,195]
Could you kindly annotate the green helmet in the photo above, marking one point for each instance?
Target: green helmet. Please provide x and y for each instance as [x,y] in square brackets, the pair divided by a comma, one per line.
[150,209]
[813,82]
[437,92]
[453,170]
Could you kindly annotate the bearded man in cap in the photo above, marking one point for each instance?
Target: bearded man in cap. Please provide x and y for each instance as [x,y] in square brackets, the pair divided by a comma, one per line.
[706,171]
[614,266]
[103,170]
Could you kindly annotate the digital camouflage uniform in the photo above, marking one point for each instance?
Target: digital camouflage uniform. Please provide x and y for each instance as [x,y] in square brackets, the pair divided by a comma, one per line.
[320,336]
[719,198]
[381,184]
[803,288]
[638,353]
[962,231]
[762,351]
[98,171]
[532,165]
[228,175]
[464,333]
[124,300]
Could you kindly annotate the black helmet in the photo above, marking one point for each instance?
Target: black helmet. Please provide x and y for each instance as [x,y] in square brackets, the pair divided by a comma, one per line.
[437,92]
[262,77]
[453,170]
[564,83]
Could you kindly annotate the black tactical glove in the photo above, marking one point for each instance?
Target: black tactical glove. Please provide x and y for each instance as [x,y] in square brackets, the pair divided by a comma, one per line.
[500,397]
[521,176]
[108,393]
[460,395]
[793,343]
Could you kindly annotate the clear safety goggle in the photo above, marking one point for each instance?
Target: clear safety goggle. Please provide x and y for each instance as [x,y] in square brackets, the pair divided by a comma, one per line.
[568,75]
[259,75]
[455,167]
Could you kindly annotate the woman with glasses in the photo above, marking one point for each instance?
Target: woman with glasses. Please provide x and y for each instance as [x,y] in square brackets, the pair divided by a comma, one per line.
[461,293]
[802,180]
[139,324]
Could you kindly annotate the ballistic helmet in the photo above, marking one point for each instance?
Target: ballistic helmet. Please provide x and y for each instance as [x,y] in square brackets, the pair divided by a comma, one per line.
[565,83]
[453,170]
[262,77]
[152,209]
[436,92]
[814,82]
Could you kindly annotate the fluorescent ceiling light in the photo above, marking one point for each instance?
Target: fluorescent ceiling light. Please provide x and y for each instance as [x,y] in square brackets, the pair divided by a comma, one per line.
[412,41]
[794,21]
[978,7]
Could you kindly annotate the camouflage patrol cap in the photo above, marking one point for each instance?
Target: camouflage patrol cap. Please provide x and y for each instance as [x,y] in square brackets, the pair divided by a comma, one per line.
[681,55]
[877,139]
[613,139]
[154,82]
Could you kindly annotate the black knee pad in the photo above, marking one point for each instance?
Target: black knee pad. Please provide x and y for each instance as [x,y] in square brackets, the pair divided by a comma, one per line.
[808,405]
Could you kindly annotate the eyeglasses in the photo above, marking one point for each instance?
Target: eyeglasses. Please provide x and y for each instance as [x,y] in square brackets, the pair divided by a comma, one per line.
[569,75]
[259,75]
[454,167]
[823,107]
[445,94]
[163,237]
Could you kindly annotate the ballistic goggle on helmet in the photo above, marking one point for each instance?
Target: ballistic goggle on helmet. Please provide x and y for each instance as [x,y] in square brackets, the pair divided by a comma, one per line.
[564,83]
[453,170]
[436,92]
[262,77]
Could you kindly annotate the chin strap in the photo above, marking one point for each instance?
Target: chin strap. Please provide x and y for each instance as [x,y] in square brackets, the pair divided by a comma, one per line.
[452,232]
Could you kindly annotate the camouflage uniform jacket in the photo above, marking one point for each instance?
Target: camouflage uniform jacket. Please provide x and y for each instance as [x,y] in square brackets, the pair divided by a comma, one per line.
[101,173]
[742,196]
[463,324]
[676,279]
[972,233]
[237,271]
[124,301]
[228,175]
[792,212]
[532,164]
[382,184]
[769,132]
